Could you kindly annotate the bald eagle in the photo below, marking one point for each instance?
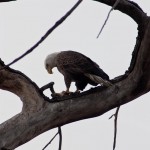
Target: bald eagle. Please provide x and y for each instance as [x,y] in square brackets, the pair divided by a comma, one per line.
[77,68]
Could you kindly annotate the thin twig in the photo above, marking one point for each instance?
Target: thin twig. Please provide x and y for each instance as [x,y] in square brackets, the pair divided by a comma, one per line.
[111,116]
[60,138]
[50,141]
[60,21]
[112,8]
[115,127]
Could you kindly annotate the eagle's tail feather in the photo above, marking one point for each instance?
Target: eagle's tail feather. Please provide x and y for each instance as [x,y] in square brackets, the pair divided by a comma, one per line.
[99,80]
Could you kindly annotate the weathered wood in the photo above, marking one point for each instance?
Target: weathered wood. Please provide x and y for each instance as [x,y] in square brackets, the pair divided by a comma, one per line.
[38,115]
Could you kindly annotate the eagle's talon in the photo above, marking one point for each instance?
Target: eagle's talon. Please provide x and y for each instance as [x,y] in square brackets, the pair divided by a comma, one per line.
[66,93]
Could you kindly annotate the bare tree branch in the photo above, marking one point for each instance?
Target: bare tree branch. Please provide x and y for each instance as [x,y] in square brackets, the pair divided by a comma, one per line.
[130,8]
[113,7]
[38,115]
[60,138]
[139,16]
[44,116]
[50,141]
[115,127]
[60,21]
[6,1]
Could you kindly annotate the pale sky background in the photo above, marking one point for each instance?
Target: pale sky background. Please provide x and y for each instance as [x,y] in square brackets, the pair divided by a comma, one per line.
[24,22]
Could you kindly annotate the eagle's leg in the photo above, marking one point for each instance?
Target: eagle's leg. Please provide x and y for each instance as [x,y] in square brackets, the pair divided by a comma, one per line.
[67,92]
[68,83]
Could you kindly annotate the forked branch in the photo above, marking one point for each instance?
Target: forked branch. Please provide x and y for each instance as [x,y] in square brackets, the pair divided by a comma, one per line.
[39,116]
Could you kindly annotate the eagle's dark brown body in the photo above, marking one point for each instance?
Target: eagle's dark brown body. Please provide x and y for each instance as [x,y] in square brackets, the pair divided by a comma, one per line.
[77,68]
[74,66]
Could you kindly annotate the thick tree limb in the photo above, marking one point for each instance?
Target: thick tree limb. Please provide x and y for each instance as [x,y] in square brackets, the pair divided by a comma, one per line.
[38,115]
[139,16]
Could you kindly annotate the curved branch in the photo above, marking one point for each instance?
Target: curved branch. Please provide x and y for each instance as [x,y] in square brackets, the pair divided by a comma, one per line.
[44,116]
[39,116]
[128,7]
[137,14]
[19,84]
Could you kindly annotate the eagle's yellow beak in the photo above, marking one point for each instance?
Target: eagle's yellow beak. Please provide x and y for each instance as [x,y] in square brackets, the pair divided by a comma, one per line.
[49,70]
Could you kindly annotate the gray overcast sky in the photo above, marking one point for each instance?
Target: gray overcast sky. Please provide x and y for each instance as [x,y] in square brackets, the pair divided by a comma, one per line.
[25,21]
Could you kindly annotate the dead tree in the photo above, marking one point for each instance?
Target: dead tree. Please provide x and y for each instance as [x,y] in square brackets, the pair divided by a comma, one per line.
[38,115]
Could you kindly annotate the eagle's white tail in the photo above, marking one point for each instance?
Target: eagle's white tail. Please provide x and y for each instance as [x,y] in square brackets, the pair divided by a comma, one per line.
[98,79]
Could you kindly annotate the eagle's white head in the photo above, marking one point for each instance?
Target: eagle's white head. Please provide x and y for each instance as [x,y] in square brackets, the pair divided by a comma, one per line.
[50,62]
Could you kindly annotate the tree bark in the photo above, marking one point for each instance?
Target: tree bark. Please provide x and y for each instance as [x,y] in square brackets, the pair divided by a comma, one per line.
[38,115]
